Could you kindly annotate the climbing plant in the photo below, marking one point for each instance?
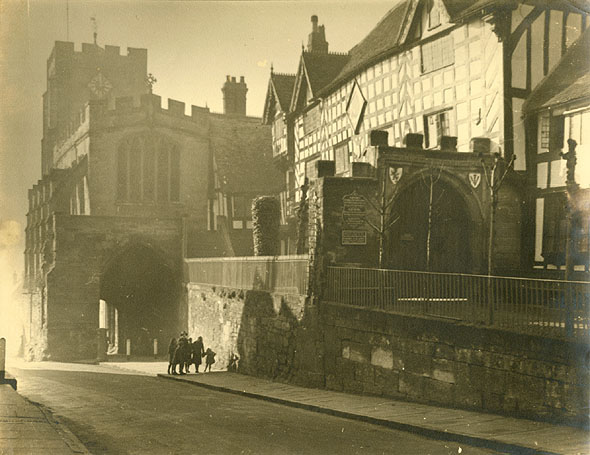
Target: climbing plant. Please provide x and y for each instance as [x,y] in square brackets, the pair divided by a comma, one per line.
[266,213]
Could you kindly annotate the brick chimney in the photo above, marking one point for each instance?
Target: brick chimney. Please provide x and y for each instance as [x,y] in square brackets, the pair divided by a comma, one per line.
[316,41]
[234,96]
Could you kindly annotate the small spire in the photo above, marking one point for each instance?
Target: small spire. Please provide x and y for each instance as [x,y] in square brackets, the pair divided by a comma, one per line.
[272,68]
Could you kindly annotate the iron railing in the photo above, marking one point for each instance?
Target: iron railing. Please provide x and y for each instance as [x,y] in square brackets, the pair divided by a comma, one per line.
[546,307]
[286,274]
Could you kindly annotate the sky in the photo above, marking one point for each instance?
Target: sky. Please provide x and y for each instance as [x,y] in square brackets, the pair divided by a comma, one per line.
[192,46]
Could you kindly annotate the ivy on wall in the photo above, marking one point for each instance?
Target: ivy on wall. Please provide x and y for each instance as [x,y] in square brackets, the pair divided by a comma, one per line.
[266,217]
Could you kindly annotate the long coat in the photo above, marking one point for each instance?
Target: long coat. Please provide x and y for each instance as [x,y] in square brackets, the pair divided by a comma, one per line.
[198,351]
[182,354]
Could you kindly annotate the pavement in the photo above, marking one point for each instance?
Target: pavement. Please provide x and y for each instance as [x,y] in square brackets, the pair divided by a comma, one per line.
[27,428]
[500,433]
[29,424]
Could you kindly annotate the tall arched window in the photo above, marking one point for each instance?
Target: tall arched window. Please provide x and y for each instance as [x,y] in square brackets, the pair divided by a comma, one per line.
[148,169]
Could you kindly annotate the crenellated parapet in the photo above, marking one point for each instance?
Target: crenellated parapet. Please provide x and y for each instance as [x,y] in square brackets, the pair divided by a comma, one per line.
[123,111]
[67,49]
[149,103]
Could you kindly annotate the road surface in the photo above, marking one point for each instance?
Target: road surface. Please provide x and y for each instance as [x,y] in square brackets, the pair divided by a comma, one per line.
[113,411]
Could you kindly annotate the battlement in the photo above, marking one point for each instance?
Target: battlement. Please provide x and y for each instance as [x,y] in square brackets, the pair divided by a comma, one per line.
[127,105]
[67,48]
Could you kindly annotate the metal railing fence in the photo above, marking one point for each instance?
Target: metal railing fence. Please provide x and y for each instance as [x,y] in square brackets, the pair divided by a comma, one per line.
[526,305]
[287,274]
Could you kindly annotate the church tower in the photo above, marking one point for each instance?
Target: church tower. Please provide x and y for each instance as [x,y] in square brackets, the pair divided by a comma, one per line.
[76,77]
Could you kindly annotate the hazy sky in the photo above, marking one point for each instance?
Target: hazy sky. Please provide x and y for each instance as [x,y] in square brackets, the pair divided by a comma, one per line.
[191,46]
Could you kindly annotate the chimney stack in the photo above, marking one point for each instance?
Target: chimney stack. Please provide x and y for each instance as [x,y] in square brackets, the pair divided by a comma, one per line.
[316,41]
[234,96]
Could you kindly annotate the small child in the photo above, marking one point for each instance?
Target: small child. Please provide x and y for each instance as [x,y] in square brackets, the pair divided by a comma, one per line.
[209,359]
[233,362]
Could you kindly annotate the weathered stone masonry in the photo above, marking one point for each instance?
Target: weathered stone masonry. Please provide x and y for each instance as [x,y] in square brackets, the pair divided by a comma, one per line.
[276,336]
[429,360]
[359,350]
[77,259]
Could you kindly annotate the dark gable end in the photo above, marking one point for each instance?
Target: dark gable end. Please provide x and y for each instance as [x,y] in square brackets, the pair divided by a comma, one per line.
[269,104]
[316,71]
[283,87]
[280,89]
[299,88]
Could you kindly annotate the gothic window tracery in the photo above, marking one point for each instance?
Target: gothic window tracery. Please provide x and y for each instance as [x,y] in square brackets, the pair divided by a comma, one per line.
[148,170]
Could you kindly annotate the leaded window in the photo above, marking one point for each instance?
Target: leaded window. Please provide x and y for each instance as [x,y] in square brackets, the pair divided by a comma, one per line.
[437,53]
[148,169]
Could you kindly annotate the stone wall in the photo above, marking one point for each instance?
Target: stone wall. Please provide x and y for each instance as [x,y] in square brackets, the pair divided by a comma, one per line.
[275,336]
[81,249]
[358,350]
[429,360]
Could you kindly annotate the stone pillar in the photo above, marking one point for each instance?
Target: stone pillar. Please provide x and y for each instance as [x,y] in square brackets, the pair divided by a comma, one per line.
[101,343]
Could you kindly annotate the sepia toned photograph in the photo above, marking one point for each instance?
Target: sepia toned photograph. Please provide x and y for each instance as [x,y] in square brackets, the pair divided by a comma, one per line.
[294,227]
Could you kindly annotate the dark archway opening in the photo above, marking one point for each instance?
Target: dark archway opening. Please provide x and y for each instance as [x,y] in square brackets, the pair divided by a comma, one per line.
[441,245]
[141,302]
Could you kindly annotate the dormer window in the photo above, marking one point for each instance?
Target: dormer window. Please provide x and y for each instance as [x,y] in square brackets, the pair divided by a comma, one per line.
[433,14]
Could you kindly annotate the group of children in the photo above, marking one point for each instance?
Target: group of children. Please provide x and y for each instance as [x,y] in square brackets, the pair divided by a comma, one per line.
[184,353]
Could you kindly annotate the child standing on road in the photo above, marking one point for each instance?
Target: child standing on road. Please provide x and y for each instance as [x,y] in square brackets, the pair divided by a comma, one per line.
[209,359]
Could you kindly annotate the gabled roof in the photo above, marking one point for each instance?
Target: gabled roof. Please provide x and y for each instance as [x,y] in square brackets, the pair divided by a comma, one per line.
[317,70]
[280,90]
[283,86]
[459,9]
[568,81]
[242,149]
[391,32]
[384,37]
[322,68]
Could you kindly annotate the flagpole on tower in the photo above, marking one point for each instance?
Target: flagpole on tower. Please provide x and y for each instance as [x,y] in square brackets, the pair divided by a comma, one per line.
[67,20]
[94,27]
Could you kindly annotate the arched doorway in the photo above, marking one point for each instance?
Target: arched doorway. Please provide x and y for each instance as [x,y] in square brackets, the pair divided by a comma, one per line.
[433,229]
[141,301]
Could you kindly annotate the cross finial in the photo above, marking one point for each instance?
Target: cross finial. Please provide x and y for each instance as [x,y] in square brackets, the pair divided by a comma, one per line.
[150,80]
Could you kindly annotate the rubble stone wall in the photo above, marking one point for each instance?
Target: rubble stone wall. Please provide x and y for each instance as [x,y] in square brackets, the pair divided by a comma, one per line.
[430,360]
[275,336]
[357,350]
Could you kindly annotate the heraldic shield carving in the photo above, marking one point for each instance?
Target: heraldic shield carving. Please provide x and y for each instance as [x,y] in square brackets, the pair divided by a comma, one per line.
[395,174]
[474,179]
